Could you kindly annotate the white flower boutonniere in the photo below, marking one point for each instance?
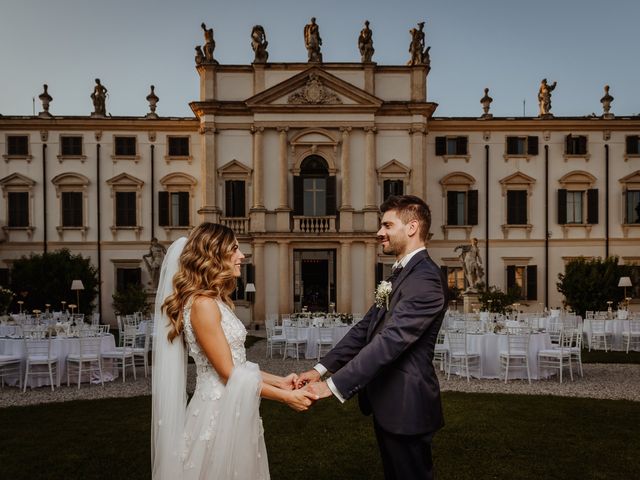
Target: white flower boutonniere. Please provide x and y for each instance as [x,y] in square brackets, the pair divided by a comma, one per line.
[382,294]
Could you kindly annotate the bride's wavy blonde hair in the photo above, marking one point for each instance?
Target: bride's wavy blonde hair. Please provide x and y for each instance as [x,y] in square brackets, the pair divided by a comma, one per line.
[205,269]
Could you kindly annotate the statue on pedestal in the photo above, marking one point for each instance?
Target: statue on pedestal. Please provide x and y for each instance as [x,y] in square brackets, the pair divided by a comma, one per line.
[99,98]
[606,103]
[486,104]
[365,43]
[471,264]
[208,47]
[419,54]
[312,41]
[544,97]
[259,44]
[46,99]
[153,261]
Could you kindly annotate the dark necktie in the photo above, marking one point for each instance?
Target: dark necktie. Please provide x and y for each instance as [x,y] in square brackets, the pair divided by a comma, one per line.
[394,274]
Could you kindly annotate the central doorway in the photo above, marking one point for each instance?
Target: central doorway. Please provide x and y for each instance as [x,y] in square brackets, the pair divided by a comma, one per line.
[314,279]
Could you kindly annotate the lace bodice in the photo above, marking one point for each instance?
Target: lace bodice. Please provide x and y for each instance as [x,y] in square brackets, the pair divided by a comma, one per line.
[208,383]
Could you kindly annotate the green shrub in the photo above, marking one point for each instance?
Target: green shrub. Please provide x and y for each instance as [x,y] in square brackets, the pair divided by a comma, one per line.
[130,300]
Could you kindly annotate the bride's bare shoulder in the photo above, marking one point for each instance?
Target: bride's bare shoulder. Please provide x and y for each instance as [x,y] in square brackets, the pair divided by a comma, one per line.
[205,307]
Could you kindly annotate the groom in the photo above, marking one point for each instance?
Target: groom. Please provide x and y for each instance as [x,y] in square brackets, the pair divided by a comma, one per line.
[386,358]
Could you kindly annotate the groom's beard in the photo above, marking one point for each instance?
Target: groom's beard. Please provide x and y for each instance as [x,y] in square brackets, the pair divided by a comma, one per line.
[394,246]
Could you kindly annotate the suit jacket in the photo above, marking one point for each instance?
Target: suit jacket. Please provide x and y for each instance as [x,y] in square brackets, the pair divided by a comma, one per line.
[390,366]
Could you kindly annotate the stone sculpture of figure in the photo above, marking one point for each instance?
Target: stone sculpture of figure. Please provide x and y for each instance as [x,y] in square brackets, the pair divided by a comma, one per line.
[199,55]
[259,44]
[209,44]
[544,97]
[365,43]
[153,260]
[471,263]
[486,104]
[99,98]
[312,41]
[606,102]
[419,55]
[153,100]
[46,99]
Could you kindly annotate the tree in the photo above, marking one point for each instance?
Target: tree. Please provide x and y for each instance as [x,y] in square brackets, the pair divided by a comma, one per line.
[589,284]
[46,278]
[130,300]
[495,300]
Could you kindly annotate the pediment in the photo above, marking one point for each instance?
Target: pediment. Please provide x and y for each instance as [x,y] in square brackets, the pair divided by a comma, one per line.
[70,179]
[578,178]
[124,179]
[234,168]
[518,178]
[633,178]
[17,179]
[394,168]
[312,89]
[178,178]
[314,136]
[457,178]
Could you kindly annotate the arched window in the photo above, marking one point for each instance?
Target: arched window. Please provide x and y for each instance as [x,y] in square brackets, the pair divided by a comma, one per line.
[314,189]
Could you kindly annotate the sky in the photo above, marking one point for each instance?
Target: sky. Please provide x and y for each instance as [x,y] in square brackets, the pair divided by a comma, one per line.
[505,45]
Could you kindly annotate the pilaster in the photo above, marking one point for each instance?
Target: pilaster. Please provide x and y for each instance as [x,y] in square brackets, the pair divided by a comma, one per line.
[257,212]
[259,282]
[346,210]
[344,288]
[284,277]
[208,173]
[370,208]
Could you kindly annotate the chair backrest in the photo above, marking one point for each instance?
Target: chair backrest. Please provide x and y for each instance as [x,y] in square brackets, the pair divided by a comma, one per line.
[518,342]
[36,342]
[634,326]
[567,339]
[357,317]
[325,334]
[457,342]
[598,325]
[103,329]
[130,334]
[291,332]
[89,344]
[95,318]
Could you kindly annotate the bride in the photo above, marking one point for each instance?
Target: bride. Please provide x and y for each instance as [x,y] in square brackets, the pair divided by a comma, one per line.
[218,435]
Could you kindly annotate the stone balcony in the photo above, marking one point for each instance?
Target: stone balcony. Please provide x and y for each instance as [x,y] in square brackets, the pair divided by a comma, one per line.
[240,225]
[304,224]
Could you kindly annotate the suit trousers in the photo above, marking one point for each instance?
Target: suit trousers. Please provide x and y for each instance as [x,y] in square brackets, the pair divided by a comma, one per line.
[405,457]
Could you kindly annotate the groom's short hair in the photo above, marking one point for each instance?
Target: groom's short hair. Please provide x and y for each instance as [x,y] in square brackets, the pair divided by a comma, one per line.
[408,208]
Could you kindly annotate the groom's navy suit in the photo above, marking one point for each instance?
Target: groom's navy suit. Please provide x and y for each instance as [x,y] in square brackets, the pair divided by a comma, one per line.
[387,358]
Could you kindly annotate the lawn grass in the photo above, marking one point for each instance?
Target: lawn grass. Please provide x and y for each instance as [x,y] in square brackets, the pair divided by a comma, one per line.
[600,356]
[486,437]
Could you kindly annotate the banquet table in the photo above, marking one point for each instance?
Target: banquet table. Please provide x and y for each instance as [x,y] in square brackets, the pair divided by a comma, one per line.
[615,327]
[311,334]
[61,347]
[489,346]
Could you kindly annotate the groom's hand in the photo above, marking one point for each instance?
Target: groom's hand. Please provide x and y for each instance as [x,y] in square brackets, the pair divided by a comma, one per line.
[290,382]
[310,376]
[321,389]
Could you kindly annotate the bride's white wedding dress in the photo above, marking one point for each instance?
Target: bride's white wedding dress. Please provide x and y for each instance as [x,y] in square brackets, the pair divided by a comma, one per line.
[223,435]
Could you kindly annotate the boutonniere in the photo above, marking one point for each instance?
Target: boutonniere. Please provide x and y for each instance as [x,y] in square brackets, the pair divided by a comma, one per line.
[382,294]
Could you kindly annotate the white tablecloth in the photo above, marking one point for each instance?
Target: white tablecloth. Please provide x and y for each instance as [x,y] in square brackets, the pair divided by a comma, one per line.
[489,346]
[312,334]
[61,347]
[614,327]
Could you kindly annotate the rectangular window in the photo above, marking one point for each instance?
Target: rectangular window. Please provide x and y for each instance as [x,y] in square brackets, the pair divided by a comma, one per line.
[178,146]
[70,145]
[18,145]
[574,207]
[126,277]
[126,209]
[632,206]
[392,187]
[18,204]
[315,197]
[455,278]
[633,144]
[517,207]
[125,146]
[452,145]
[576,145]
[235,198]
[522,145]
[4,277]
[456,208]
[173,209]
[524,279]
[71,209]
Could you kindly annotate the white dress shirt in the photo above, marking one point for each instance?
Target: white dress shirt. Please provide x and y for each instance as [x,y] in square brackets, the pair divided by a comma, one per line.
[321,369]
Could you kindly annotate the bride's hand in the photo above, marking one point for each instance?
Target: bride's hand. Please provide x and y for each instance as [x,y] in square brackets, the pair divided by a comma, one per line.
[289,382]
[300,400]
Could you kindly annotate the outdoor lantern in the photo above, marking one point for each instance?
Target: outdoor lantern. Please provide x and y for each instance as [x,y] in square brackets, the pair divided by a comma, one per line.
[625,282]
[77,286]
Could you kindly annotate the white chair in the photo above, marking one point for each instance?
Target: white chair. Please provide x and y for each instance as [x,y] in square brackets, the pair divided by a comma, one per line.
[460,356]
[274,339]
[517,353]
[559,357]
[357,317]
[10,365]
[325,339]
[120,329]
[103,329]
[599,336]
[38,349]
[88,355]
[576,349]
[95,318]
[123,356]
[631,335]
[441,351]
[293,340]
[141,353]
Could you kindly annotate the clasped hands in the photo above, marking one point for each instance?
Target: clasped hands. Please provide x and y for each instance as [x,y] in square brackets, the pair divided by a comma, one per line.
[306,389]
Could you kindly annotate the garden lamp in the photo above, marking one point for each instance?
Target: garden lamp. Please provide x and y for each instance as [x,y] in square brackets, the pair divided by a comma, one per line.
[251,289]
[625,282]
[77,285]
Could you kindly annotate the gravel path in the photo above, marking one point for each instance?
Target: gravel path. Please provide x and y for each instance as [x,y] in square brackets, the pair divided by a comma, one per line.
[603,381]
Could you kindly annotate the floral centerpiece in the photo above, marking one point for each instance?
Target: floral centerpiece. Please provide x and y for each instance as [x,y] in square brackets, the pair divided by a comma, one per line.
[6,297]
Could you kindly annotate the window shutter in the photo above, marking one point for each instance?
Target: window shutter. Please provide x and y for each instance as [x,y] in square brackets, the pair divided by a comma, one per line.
[592,206]
[562,206]
[163,209]
[532,282]
[183,206]
[472,213]
[331,195]
[532,145]
[582,145]
[18,209]
[228,198]
[250,273]
[461,145]
[239,198]
[441,146]
[511,277]
[298,197]
[632,145]
[512,145]
[452,208]
[568,145]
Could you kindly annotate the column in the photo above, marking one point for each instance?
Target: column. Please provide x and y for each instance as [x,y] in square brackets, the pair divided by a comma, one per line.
[208,173]
[344,288]
[417,161]
[284,276]
[369,273]
[346,210]
[259,300]
[257,212]
[370,207]
[283,222]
